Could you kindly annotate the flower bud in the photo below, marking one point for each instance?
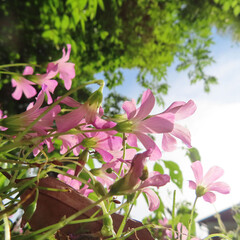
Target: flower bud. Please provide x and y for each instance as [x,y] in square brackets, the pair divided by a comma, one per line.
[96,171]
[100,189]
[83,158]
[95,99]
[107,228]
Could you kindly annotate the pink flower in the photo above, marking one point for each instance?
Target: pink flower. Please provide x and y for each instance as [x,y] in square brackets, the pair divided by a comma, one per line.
[87,111]
[66,69]
[74,183]
[137,180]
[23,85]
[182,233]
[204,185]
[181,110]
[69,141]
[50,84]
[109,171]
[20,121]
[139,124]
[102,142]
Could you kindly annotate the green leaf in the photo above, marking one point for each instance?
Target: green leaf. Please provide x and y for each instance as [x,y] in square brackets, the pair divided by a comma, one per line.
[103,34]
[91,163]
[157,167]
[175,173]
[82,4]
[101,4]
[3,179]
[65,22]
[193,154]
[236,10]
[31,208]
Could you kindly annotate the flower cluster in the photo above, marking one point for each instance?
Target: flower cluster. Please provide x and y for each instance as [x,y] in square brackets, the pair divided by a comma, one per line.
[85,132]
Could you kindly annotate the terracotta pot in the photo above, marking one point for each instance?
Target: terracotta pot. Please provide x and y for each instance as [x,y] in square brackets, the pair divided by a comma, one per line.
[52,206]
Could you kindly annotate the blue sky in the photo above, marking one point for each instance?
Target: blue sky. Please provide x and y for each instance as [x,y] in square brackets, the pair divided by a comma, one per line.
[215,127]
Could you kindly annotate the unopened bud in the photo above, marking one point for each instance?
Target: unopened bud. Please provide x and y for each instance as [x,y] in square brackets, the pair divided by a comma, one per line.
[82,160]
[96,171]
[100,189]
[95,98]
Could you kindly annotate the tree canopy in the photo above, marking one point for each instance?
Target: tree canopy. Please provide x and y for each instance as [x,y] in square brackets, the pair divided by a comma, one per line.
[108,36]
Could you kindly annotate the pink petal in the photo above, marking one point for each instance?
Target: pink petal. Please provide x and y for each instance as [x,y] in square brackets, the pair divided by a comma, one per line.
[197,171]
[132,140]
[67,73]
[138,163]
[23,86]
[192,185]
[219,187]
[71,102]
[212,175]
[29,91]
[174,107]
[100,123]
[65,57]
[168,142]
[69,120]
[157,180]
[28,70]
[147,104]
[17,94]
[130,108]
[182,133]
[51,85]
[109,142]
[182,232]
[149,143]
[209,197]
[161,123]
[186,110]
[153,199]
[107,157]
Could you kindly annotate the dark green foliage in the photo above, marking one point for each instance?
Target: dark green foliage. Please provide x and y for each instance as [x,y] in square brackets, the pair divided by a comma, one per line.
[108,36]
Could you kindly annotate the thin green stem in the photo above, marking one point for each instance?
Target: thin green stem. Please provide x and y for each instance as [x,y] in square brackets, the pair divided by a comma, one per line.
[126,215]
[191,218]
[18,65]
[173,212]
[7,235]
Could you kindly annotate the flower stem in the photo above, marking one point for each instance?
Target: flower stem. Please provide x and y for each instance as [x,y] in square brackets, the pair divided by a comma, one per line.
[6,223]
[191,218]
